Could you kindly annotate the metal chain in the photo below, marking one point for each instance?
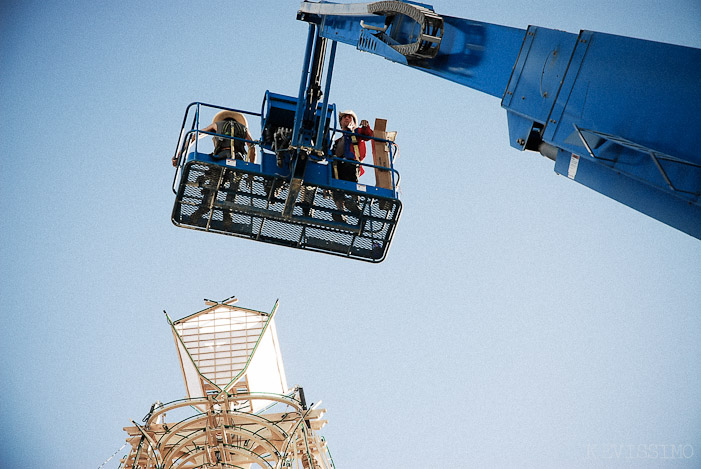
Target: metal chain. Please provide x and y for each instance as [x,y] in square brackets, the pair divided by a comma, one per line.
[115,453]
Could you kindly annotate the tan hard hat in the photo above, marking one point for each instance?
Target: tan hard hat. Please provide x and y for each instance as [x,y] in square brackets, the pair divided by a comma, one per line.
[237,116]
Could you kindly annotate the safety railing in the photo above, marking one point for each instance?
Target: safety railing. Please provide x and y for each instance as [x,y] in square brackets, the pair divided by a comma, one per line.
[393,149]
[190,138]
[185,141]
[257,200]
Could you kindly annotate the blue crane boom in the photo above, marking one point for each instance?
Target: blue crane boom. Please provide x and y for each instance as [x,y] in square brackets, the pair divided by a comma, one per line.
[616,114]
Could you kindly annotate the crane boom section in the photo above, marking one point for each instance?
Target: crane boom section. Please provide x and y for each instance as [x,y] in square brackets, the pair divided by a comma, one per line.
[472,53]
[616,114]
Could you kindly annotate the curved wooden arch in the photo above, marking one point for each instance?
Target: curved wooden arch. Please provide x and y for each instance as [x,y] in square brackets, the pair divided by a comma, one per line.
[201,422]
[248,455]
[239,397]
[257,440]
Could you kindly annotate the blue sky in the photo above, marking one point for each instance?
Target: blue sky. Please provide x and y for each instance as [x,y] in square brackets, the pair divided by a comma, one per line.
[520,320]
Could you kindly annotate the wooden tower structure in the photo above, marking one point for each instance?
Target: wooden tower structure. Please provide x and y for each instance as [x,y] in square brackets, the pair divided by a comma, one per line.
[239,411]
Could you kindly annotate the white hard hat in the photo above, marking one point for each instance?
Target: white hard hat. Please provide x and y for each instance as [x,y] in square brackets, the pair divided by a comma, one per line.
[348,113]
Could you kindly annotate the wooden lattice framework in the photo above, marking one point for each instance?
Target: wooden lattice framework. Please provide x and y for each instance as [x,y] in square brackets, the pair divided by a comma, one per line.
[230,420]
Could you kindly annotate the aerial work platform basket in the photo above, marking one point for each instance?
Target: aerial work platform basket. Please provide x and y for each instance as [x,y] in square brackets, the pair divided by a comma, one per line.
[286,196]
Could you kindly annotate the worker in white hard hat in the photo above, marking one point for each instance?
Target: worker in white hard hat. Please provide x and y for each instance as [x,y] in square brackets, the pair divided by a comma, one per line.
[350,146]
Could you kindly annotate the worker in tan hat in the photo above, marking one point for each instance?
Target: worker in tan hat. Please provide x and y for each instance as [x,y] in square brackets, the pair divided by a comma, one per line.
[233,124]
[350,146]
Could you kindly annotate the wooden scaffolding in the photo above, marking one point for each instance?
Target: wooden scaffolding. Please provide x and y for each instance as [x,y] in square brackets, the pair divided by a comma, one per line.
[239,412]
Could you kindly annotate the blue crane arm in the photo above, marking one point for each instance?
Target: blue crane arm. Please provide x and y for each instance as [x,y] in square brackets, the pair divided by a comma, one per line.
[616,114]
[471,53]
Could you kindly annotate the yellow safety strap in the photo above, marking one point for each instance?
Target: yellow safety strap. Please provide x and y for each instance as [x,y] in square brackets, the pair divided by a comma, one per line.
[356,150]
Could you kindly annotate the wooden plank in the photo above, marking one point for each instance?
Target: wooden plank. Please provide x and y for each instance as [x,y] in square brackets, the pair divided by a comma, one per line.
[380,155]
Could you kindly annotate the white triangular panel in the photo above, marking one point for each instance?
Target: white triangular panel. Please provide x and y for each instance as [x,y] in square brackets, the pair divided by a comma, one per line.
[266,372]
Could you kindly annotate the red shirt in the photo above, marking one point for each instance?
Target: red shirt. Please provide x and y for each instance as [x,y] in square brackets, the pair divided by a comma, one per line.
[361,134]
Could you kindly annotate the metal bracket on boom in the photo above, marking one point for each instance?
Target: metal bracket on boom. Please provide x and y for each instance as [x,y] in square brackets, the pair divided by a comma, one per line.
[430,31]
[408,33]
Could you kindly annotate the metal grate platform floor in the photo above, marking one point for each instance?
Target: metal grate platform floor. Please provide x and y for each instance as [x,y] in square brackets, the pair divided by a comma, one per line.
[251,205]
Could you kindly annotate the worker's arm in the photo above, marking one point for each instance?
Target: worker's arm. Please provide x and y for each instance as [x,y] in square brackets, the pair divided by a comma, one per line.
[364,131]
[210,128]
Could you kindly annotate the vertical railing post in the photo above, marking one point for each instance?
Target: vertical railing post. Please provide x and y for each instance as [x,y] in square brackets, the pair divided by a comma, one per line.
[391,167]
[197,127]
[303,84]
